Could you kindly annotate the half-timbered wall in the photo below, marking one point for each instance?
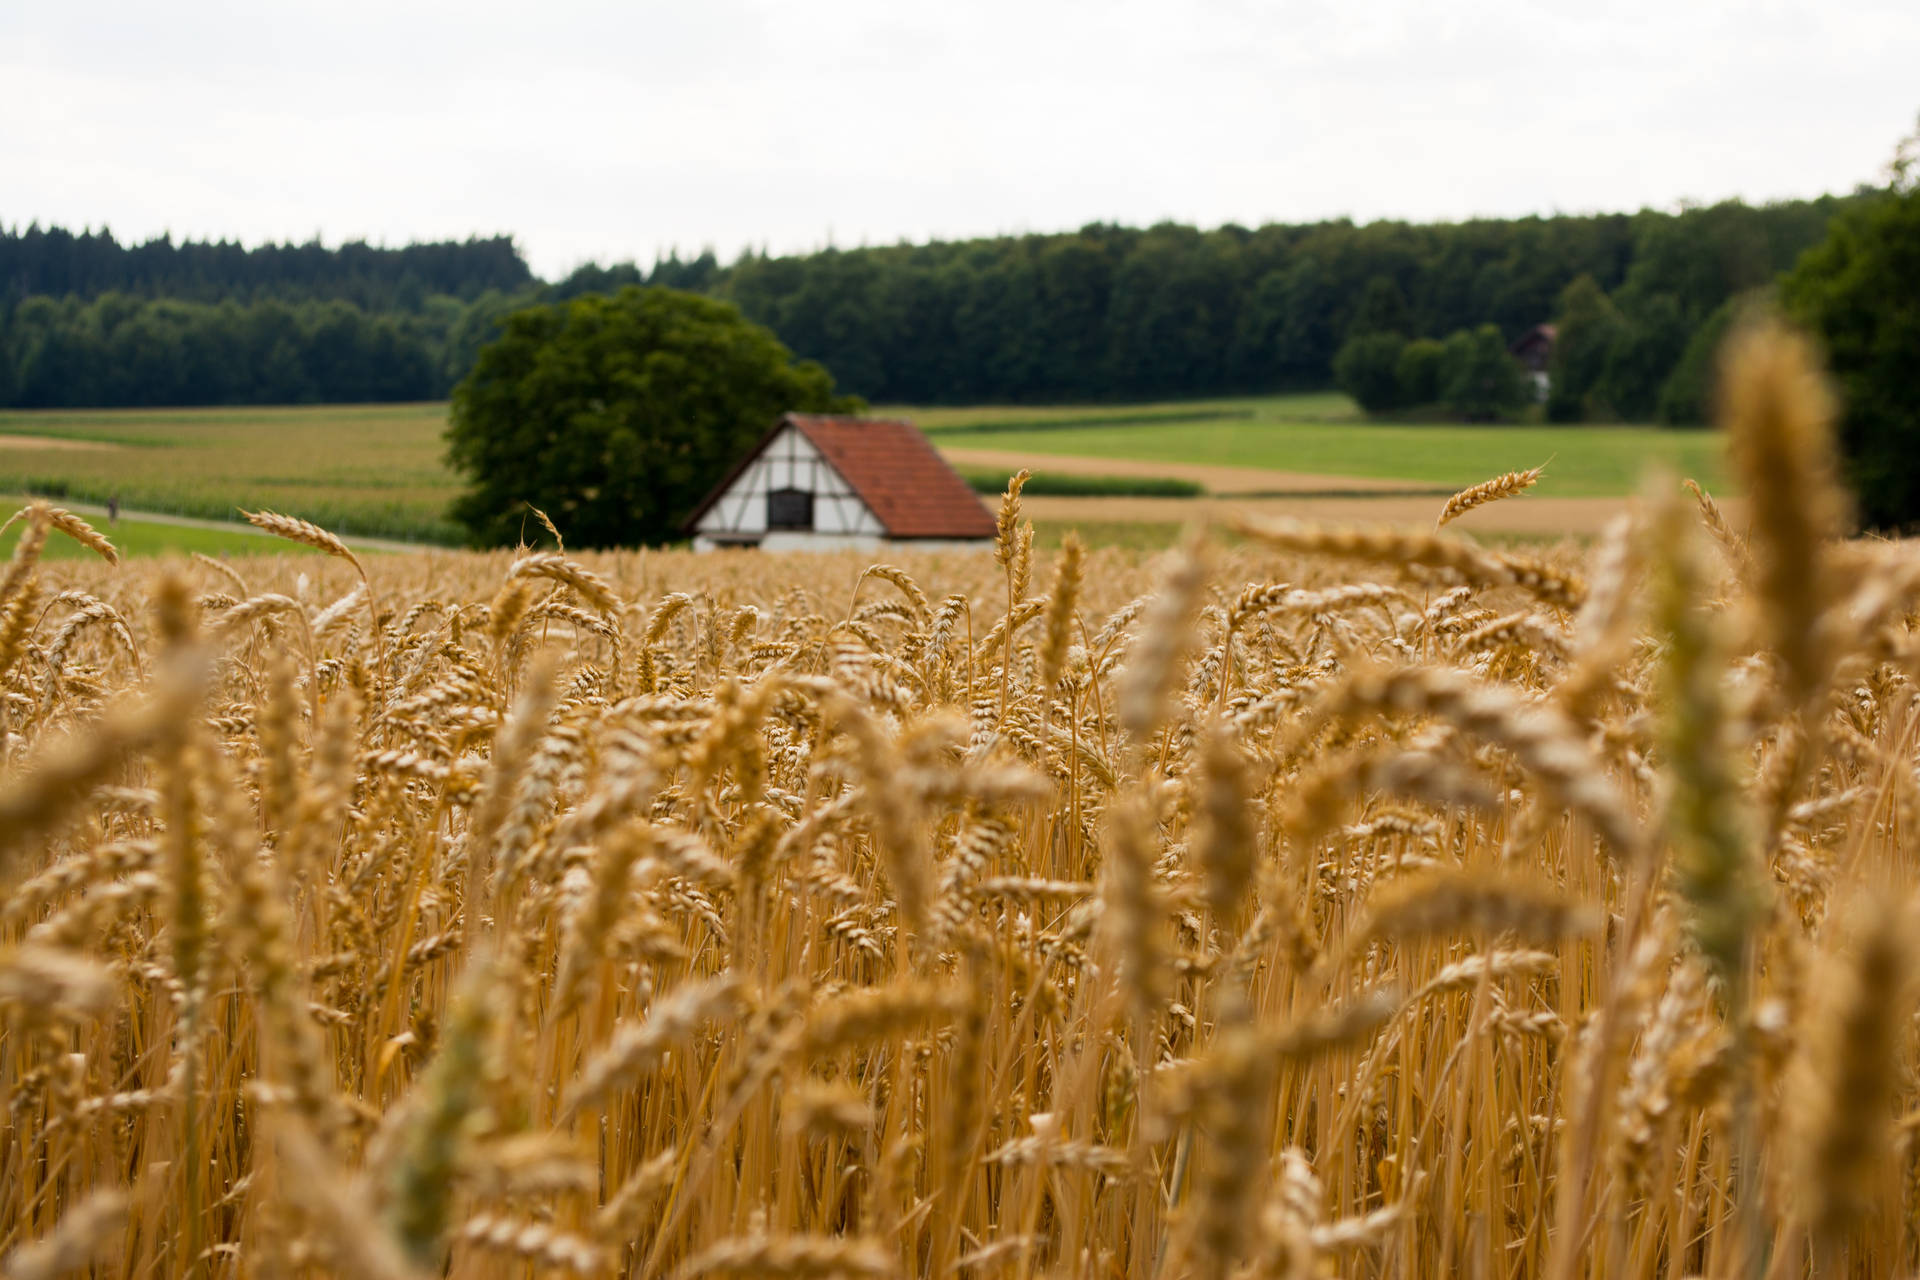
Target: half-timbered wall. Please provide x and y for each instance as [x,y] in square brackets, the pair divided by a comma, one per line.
[789,461]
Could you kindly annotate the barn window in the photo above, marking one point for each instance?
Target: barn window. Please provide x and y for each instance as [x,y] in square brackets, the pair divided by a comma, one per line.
[789,509]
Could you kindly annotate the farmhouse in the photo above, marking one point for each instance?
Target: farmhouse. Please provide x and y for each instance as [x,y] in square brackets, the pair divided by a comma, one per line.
[818,482]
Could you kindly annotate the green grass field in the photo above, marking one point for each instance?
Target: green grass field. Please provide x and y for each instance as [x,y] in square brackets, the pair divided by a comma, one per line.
[377,470]
[1323,434]
[148,538]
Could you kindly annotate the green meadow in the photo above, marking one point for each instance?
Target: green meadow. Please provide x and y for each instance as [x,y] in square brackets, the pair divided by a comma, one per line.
[148,537]
[1324,434]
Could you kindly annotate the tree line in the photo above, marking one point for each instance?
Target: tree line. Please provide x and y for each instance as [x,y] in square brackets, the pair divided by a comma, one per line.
[54,262]
[1102,313]
[87,321]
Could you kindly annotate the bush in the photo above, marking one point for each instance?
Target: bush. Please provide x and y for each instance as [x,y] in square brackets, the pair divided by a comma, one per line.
[1367,368]
[1418,372]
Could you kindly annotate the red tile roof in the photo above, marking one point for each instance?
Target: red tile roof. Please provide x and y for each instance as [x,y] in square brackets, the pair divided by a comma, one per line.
[900,475]
[894,468]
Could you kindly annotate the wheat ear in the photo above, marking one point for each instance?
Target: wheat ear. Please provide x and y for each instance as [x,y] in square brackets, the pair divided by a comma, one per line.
[1506,486]
[304,532]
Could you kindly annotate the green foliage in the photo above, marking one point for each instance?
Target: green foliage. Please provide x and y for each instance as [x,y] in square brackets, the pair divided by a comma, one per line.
[1687,396]
[1860,292]
[1382,309]
[1071,484]
[1588,325]
[1173,312]
[1104,313]
[56,263]
[1367,368]
[1645,349]
[1418,373]
[615,415]
[1704,256]
[120,349]
[1479,379]
[85,321]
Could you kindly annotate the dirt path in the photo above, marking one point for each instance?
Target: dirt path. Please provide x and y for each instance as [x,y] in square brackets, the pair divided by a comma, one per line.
[52,442]
[1532,516]
[1217,479]
[97,515]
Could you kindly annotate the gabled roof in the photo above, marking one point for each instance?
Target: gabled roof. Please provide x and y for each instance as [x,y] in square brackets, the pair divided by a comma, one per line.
[894,468]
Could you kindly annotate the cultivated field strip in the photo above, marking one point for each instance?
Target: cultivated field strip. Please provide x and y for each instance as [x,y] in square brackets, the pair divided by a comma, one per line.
[1339,902]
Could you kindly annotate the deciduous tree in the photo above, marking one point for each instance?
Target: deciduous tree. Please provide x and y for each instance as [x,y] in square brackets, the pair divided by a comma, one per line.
[1860,292]
[616,414]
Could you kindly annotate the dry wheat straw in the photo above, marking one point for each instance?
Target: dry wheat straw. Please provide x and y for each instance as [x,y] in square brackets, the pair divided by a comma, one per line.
[83,533]
[82,1234]
[1479,495]
[1016,934]
[305,532]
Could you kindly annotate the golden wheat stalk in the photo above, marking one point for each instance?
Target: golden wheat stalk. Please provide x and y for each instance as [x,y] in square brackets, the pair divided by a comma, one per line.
[83,533]
[1479,495]
[304,532]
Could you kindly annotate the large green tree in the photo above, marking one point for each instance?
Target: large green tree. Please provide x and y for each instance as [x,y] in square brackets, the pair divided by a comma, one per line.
[1860,291]
[616,414]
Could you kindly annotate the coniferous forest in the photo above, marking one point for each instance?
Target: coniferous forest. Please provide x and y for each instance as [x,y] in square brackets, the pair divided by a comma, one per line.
[1103,313]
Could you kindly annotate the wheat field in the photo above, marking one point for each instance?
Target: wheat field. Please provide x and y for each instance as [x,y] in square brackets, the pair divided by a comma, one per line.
[1326,902]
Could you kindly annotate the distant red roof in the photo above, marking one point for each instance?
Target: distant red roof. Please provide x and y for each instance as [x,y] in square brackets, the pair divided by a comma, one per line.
[894,468]
[1534,348]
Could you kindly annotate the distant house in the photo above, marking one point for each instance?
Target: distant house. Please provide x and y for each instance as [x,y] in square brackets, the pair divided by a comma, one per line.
[826,482]
[1534,350]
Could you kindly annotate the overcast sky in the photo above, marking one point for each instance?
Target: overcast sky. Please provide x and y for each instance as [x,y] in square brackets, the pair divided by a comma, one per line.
[614,131]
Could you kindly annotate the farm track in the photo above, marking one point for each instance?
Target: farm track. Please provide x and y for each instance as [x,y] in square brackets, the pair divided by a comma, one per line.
[98,514]
[9,441]
[1219,481]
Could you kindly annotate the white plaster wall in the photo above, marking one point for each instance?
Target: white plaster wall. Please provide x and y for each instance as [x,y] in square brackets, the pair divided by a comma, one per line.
[790,461]
[795,540]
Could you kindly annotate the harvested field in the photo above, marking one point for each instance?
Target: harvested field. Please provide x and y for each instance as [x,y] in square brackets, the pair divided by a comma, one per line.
[1320,904]
[1542,517]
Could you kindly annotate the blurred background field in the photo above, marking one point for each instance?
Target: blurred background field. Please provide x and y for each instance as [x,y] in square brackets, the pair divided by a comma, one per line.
[368,469]
[1324,433]
[135,537]
[1125,475]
